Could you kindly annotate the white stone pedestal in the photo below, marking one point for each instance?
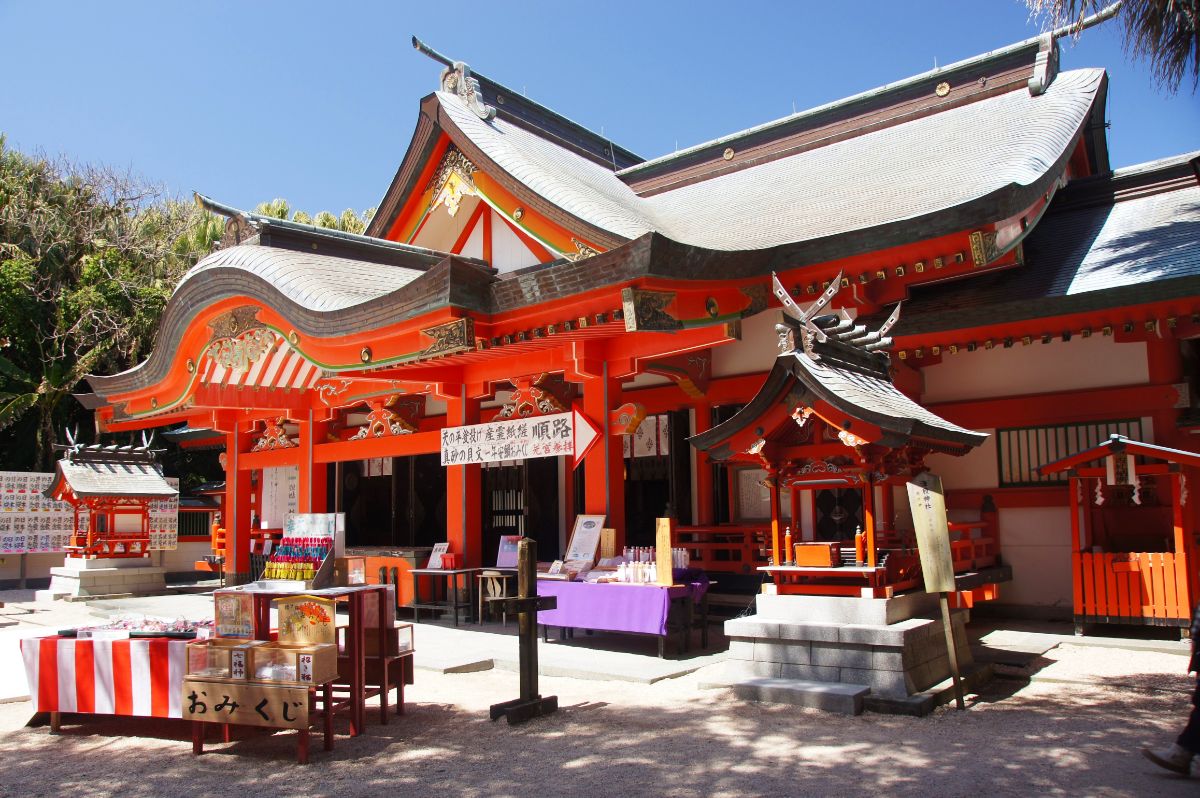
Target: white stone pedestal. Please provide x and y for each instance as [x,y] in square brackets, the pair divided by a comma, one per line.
[843,654]
[90,578]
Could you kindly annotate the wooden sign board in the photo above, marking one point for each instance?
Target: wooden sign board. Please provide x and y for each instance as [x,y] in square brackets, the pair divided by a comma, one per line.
[245,703]
[306,619]
[928,505]
[608,544]
[664,527]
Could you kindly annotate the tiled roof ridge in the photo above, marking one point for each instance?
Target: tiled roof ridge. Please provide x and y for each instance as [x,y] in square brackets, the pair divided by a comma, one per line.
[515,107]
[1130,182]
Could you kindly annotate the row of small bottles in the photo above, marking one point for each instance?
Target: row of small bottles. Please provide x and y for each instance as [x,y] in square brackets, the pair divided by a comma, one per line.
[637,573]
[636,554]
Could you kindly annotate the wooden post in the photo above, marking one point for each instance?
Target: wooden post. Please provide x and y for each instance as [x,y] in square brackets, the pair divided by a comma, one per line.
[773,487]
[869,522]
[526,605]
[951,649]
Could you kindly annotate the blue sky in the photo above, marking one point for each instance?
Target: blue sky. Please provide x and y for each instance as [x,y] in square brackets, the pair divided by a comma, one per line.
[317,102]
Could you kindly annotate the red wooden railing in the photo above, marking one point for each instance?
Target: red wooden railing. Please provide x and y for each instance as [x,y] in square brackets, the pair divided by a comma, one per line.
[1131,585]
[724,549]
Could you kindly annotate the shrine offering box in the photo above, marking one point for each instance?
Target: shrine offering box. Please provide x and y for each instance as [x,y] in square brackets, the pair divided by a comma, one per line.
[219,657]
[293,663]
[233,614]
[819,555]
[349,571]
[305,619]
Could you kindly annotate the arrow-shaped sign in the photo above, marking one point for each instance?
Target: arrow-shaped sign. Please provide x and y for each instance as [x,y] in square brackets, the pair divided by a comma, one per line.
[586,434]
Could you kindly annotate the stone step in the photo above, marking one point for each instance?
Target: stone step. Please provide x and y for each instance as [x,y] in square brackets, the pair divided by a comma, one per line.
[846,699]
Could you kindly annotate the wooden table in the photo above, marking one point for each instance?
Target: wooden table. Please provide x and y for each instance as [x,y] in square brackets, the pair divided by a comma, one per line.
[505,574]
[450,589]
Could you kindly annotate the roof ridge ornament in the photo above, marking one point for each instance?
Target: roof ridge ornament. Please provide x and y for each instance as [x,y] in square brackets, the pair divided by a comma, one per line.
[456,79]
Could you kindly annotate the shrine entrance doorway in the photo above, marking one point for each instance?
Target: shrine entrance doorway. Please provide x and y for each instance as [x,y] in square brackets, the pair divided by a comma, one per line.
[837,513]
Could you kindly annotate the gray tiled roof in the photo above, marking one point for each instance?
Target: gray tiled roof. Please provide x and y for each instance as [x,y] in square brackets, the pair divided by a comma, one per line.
[110,471]
[314,281]
[924,166]
[1112,254]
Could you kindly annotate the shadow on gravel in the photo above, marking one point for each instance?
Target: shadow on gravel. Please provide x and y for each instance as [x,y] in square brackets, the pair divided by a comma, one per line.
[1080,739]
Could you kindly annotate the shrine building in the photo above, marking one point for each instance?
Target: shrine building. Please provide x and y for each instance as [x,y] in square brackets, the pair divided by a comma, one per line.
[520,266]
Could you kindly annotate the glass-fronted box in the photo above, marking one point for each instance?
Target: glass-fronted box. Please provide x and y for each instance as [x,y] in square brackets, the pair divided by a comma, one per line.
[307,663]
[398,640]
[220,657]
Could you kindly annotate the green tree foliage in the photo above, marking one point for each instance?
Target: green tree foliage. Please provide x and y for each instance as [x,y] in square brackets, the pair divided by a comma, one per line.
[348,222]
[88,259]
[1164,32]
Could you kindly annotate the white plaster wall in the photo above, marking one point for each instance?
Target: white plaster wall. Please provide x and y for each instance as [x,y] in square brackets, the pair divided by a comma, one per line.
[756,351]
[509,253]
[1037,368]
[183,558]
[37,566]
[1036,542]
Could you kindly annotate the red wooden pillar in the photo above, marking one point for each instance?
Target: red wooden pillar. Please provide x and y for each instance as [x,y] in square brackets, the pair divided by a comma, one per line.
[604,466]
[776,519]
[313,488]
[464,522]
[704,475]
[1074,487]
[237,501]
[868,493]
[1164,364]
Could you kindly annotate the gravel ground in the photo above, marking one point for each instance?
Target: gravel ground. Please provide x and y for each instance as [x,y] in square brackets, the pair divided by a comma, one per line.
[1076,733]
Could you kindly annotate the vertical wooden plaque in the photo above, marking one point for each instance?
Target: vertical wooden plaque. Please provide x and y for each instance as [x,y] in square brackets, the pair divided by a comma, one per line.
[663,535]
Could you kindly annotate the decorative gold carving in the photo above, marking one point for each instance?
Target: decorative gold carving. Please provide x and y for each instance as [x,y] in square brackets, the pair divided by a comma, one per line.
[728,154]
[450,338]
[452,182]
[546,395]
[983,248]
[274,437]
[237,354]
[293,337]
[381,422]
[646,310]
[582,251]
[191,366]
[234,322]
[942,89]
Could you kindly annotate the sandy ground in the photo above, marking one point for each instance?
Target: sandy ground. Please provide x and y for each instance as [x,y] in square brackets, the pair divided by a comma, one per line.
[1074,730]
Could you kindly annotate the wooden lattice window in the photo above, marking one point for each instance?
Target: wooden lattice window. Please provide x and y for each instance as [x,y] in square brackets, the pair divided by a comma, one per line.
[1022,450]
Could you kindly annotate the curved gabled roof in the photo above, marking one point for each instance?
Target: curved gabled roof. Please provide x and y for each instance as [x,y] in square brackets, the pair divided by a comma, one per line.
[990,158]
[312,281]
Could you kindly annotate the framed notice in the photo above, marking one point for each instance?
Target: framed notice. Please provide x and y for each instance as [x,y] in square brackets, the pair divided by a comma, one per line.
[506,557]
[752,499]
[233,614]
[585,537]
[435,557]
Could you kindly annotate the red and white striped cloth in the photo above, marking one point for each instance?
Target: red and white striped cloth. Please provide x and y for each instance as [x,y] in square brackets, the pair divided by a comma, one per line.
[142,677]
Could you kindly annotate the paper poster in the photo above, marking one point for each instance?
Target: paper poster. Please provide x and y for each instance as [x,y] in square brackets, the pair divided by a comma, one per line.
[585,538]
[281,495]
[435,558]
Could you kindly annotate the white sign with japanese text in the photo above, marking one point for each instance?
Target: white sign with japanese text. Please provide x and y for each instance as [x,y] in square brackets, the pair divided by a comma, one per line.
[928,505]
[518,439]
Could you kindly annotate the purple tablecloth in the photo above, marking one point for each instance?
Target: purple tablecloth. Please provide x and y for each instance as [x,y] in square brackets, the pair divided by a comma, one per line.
[612,607]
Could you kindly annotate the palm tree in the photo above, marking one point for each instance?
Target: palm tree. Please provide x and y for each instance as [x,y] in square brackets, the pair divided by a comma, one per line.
[1164,32]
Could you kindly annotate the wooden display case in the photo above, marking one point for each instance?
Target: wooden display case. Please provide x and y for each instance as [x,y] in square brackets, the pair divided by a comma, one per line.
[399,640]
[350,571]
[293,663]
[219,657]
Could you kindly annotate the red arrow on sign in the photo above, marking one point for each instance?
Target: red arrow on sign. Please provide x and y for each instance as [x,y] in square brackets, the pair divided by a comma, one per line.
[585,434]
